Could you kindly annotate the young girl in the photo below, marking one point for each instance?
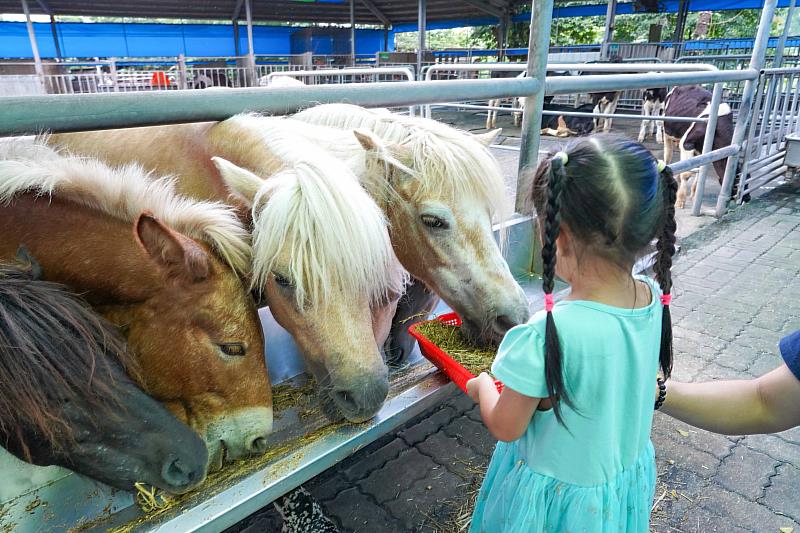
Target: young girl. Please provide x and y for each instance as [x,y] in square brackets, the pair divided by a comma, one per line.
[575,415]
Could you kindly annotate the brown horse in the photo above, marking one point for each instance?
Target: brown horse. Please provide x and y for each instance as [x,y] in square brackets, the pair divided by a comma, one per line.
[65,397]
[322,255]
[190,322]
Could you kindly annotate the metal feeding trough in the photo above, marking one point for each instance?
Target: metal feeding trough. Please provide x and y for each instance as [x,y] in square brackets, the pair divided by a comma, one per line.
[792,157]
[302,445]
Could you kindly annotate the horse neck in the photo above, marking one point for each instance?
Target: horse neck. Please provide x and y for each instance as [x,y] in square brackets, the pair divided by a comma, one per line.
[91,252]
[178,150]
[244,146]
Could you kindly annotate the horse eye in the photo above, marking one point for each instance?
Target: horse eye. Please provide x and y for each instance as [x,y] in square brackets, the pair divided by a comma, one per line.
[282,282]
[433,221]
[233,349]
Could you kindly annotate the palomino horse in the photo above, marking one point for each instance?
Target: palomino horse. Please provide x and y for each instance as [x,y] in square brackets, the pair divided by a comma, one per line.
[322,255]
[66,400]
[190,322]
[439,188]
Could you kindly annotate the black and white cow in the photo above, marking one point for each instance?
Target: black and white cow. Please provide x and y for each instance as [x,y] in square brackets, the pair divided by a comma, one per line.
[574,125]
[694,101]
[605,102]
[491,117]
[653,101]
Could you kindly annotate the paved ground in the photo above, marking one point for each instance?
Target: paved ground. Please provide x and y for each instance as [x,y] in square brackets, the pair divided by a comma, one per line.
[737,292]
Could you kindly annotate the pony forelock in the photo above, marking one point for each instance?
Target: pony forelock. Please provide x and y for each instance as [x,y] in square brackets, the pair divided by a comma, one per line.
[123,193]
[331,233]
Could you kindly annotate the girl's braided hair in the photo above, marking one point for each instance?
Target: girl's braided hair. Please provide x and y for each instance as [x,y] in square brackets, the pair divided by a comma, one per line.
[615,198]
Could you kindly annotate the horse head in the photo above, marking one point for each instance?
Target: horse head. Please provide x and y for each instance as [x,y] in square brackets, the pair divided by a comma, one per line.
[68,401]
[199,344]
[323,260]
[440,190]
[169,281]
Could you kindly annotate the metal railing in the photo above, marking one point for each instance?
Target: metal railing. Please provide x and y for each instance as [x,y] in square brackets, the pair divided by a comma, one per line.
[776,114]
[631,76]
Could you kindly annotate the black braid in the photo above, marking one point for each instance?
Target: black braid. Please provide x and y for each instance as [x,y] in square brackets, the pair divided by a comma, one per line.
[665,248]
[553,372]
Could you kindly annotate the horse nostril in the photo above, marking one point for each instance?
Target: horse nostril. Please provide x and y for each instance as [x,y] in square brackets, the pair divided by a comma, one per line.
[178,475]
[345,400]
[503,323]
[257,446]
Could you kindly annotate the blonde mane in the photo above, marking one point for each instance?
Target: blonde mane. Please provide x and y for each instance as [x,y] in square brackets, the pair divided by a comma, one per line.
[123,193]
[446,161]
[315,213]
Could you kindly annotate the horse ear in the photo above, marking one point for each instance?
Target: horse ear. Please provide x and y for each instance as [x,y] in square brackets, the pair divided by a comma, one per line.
[368,140]
[179,256]
[488,137]
[30,263]
[397,155]
[242,183]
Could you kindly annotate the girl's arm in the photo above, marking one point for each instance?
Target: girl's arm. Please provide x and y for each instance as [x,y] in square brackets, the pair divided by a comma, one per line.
[766,404]
[506,415]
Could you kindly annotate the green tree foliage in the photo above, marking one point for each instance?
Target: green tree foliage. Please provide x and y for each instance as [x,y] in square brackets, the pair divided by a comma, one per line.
[589,30]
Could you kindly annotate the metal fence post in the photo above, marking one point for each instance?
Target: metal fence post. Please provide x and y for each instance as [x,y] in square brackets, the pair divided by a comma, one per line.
[538,47]
[182,78]
[746,107]
[778,61]
[34,47]
[112,68]
[608,32]
[708,143]
[747,147]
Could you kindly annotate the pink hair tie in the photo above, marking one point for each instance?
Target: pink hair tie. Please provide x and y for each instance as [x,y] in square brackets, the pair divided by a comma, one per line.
[548,302]
[666,299]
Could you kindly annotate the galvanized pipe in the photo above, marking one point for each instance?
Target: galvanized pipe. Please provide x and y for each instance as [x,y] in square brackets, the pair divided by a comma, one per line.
[777,62]
[538,48]
[708,142]
[576,67]
[353,32]
[764,179]
[405,71]
[570,113]
[78,112]
[785,95]
[765,169]
[767,160]
[745,109]
[714,57]
[608,30]
[251,55]
[581,84]
[704,159]
[422,23]
[34,45]
[795,101]
[54,31]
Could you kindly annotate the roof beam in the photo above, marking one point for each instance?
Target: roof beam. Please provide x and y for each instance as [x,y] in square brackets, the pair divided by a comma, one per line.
[485,7]
[45,7]
[377,12]
[237,10]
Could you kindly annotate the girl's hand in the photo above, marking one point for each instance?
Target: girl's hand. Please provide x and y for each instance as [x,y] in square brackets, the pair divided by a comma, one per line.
[474,385]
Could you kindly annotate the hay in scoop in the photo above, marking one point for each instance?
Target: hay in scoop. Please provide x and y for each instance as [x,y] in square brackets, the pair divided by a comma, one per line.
[450,340]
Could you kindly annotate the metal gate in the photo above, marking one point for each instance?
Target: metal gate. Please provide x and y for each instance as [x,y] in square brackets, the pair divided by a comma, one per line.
[776,113]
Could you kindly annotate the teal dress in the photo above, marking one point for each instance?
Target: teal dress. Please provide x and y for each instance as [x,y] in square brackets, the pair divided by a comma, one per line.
[597,474]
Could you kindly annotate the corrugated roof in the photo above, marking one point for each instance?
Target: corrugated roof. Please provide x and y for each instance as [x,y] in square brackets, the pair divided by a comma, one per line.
[297,11]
